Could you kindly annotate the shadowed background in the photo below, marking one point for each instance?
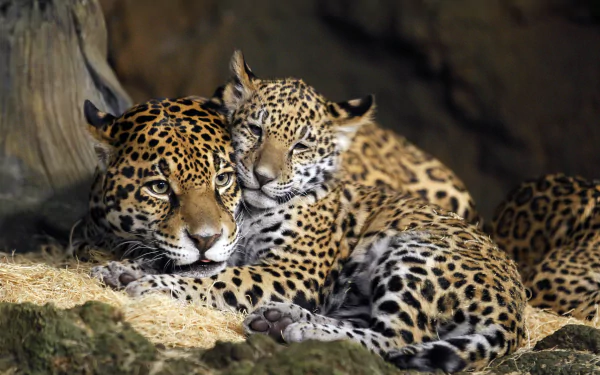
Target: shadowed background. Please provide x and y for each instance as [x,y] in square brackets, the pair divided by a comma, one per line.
[499,90]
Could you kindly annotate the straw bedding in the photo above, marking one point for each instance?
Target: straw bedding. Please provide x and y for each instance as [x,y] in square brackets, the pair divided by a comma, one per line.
[45,277]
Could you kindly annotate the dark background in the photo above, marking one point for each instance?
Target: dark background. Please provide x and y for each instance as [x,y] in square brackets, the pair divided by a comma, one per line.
[499,90]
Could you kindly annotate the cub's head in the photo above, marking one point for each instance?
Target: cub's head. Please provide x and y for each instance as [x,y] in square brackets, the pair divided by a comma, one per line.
[166,181]
[287,137]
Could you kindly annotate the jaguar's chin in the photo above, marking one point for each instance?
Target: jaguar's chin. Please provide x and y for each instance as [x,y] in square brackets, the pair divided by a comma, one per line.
[259,200]
[201,268]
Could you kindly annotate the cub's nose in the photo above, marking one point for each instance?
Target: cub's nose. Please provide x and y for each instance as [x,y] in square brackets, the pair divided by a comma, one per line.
[263,177]
[203,243]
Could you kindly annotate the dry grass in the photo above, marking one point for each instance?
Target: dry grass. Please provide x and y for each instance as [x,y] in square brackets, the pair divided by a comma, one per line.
[44,277]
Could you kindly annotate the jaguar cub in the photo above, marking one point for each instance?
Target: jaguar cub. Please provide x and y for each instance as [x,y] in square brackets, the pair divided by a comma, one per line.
[410,281]
[374,156]
[549,226]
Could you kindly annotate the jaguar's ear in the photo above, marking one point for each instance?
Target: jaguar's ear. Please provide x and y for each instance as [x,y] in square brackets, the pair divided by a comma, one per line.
[216,102]
[99,126]
[240,86]
[349,116]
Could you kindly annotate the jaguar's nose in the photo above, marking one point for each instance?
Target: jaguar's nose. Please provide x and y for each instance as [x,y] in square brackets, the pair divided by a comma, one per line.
[203,243]
[262,177]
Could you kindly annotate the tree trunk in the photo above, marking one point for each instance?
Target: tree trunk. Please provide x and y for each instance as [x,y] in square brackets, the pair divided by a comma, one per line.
[52,58]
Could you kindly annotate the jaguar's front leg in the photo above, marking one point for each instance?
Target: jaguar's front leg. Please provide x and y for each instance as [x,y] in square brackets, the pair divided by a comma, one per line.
[118,274]
[234,288]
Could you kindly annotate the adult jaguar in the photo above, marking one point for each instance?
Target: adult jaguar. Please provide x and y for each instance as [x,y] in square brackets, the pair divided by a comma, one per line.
[410,281]
[164,188]
[549,226]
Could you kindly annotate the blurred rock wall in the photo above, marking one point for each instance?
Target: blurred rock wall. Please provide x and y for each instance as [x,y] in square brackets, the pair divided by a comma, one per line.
[500,90]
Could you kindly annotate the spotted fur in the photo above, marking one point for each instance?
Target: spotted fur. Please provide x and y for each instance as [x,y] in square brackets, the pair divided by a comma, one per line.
[182,147]
[408,280]
[549,226]
[275,165]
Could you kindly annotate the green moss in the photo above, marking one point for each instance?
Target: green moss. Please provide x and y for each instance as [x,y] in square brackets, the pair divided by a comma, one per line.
[88,339]
[262,356]
[94,339]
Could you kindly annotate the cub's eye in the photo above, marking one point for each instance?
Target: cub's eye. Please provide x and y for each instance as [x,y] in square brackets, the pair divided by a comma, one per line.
[299,147]
[223,179]
[159,187]
[255,129]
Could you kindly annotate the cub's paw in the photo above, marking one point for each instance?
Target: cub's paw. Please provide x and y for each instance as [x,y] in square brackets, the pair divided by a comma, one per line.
[117,274]
[273,318]
[171,285]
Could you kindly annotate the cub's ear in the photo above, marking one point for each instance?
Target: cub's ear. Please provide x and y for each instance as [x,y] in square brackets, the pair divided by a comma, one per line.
[240,86]
[349,116]
[99,126]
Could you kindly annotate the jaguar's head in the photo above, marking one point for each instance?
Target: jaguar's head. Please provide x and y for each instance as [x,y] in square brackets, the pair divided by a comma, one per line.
[166,181]
[288,138]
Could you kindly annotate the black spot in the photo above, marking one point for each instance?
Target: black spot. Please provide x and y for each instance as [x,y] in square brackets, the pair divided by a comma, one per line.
[128,172]
[126,223]
[479,278]
[486,296]
[460,344]
[418,270]
[194,112]
[470,292]
[422,320]
[543,284]
[389,307]
[230,299]
[406,319]
[428,290]
[444,283]
[301,300]
[395,284]
[142,119]
[459,317]
[487,311]
[460,283]
[410,300]
[407,336]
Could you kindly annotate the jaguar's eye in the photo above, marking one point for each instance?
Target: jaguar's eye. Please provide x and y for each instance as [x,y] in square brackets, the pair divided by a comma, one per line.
[159,187]
[255,129]
[299,147]
[223,179]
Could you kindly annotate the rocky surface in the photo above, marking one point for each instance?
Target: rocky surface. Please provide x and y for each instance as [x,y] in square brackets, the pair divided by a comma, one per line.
[572,337]
[94,339]
[500,90]
[53,56]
